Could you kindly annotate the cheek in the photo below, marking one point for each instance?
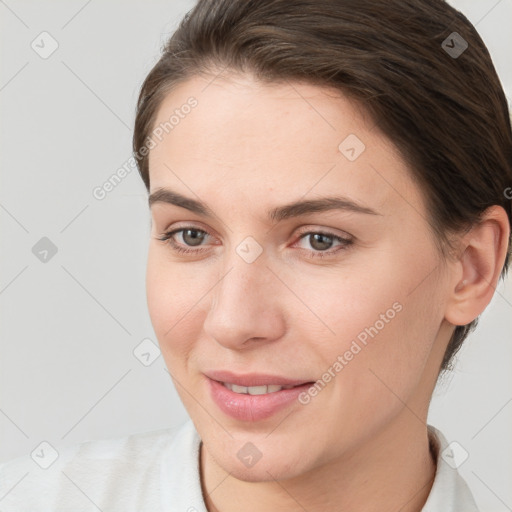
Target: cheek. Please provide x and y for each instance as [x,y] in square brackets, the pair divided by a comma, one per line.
[385,326]
[390,310]
[172,296]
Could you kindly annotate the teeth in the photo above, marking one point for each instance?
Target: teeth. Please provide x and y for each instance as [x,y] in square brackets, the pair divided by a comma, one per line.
[255,390]
[273,388]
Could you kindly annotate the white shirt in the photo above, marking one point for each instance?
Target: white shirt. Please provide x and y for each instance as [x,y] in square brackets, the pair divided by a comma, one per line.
[156,471]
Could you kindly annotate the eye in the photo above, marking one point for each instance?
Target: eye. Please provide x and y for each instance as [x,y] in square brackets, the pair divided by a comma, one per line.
[189,234]
[320,241]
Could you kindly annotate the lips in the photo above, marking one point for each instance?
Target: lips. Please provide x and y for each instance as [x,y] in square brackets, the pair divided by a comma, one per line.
[248,407]
[254,379]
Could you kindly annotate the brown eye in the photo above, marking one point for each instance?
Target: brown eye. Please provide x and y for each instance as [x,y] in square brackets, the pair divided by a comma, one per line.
[321,243]
[193,237]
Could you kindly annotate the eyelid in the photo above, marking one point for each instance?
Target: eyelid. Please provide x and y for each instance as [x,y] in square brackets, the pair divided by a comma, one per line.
[327,231]
[301,231]
[345,242]
[169,234]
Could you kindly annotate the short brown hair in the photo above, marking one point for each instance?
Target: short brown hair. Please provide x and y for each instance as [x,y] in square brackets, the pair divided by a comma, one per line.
[446,113]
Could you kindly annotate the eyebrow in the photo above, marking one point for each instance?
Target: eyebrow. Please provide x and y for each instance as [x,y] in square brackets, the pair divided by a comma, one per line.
[287,211]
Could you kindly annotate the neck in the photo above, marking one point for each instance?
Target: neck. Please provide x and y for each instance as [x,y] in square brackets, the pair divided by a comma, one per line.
[392,471]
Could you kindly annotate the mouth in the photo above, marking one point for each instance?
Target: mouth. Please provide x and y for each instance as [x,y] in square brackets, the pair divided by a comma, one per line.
[254,380]
[257,390]
[254,397]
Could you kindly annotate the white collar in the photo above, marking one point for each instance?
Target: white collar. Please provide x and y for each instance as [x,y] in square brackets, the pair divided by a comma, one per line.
[449,492]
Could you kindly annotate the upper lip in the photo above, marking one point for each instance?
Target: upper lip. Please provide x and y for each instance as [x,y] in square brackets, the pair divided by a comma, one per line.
[253,379]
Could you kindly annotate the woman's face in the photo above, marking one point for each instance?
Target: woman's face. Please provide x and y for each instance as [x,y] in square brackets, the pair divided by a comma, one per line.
[262,294]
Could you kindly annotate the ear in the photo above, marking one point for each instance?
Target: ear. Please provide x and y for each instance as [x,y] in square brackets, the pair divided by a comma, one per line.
[477,269]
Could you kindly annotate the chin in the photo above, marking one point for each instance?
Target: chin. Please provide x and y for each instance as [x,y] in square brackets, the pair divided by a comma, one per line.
[270,463]
[263,472]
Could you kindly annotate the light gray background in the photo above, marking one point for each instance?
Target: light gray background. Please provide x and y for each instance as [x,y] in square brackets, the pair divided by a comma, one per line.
[69,326]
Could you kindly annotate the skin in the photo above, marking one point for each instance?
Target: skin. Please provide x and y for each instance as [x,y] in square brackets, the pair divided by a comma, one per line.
[361,443]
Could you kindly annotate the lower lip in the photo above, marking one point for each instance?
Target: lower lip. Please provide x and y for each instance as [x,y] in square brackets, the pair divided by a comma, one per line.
[247,407]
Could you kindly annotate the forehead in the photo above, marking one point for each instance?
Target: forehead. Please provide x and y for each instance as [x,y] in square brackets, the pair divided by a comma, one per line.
[262,138]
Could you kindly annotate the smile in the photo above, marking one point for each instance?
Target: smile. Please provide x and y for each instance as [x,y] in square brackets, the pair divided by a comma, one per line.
[255,390]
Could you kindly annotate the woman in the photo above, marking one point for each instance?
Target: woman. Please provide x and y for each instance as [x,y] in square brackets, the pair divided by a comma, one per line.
[327,185]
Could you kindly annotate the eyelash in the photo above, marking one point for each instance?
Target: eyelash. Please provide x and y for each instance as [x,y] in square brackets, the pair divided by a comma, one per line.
[346,242]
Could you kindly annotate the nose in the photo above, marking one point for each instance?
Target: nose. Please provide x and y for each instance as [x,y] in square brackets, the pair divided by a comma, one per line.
[246,310]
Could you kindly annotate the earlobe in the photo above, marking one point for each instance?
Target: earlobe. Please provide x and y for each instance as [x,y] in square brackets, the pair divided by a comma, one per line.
[479,267]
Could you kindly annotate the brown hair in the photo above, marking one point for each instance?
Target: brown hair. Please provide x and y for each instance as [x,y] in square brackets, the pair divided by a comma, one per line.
[446,113]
